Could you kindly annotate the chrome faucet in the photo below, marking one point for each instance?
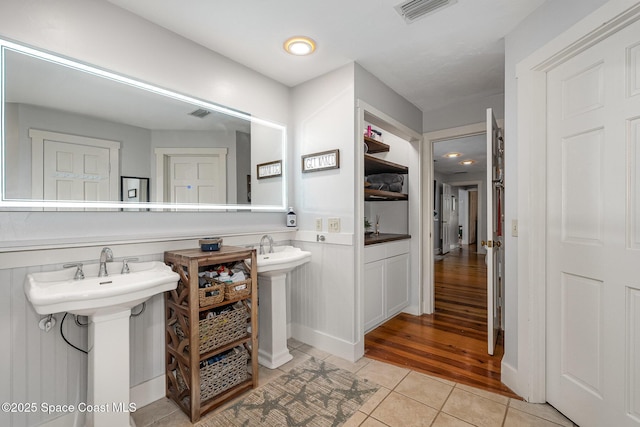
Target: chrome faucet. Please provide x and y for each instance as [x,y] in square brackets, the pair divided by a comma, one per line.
[105,256]
[270,239]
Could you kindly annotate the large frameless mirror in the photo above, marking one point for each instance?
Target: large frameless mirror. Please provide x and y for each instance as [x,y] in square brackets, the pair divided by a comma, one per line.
[70,132]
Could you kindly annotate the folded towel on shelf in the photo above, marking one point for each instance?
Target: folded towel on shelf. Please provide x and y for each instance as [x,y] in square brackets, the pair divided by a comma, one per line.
[385,182]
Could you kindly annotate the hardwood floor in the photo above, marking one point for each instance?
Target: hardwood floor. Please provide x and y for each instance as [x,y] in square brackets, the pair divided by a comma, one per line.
[452,342]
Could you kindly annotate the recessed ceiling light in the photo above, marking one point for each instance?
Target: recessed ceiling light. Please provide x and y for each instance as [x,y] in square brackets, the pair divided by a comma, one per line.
[299,45]
[467,162]
[452,155]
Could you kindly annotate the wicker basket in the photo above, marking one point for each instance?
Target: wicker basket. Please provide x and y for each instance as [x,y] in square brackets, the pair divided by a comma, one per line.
[221,375]
[213,294]
[237,289]
[220,329]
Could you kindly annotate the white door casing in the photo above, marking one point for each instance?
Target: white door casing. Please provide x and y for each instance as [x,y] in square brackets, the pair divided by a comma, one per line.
[428,194]
[526,373]
[593,285]
[495,220]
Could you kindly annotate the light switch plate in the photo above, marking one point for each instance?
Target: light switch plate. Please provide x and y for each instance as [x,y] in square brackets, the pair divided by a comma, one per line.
[333,225]
[318,224]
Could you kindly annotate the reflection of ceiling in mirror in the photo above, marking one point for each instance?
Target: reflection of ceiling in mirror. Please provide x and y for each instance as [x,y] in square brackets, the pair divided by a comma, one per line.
[30,80]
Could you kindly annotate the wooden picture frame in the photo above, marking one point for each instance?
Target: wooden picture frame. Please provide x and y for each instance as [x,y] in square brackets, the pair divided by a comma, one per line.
[269,169]
[324,160]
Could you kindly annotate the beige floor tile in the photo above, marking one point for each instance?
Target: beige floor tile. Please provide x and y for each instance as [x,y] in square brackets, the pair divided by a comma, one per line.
[312,351]
[383,374]
[400,411]
[442,380]
[266,375]
[176,419]
[541,410]
[298,358]
[425,389]
[474,409]
[517,418]
[356,419]
[487,394]
[374,400]
[293,343]
[372,422]
[346,365]
[446,420]
[154,411]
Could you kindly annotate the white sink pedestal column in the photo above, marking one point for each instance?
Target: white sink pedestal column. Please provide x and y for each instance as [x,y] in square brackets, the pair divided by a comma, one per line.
[108,365]
[272,350]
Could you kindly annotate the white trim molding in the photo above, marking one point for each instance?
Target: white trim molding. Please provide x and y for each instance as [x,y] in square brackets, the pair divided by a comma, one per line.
[528,379]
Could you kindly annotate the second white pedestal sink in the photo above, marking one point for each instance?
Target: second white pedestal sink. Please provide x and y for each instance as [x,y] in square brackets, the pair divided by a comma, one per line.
[272,278]
[107,301]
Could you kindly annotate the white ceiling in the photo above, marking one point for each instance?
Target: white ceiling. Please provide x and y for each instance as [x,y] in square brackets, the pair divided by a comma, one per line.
[470,147]
[453,56]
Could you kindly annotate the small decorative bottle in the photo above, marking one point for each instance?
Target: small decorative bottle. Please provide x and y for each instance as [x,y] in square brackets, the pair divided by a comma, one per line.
[291,218]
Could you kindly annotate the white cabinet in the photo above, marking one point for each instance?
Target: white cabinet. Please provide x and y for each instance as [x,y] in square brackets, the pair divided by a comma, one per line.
[374,294]
[396,284]
[386,281]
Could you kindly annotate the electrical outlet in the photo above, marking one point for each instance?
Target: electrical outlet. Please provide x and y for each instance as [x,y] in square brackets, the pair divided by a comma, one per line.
[333,225]
[514,228]
[318,224]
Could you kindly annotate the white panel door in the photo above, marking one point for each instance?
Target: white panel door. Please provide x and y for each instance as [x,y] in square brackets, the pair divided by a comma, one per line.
[446,214]
[593,243]
[495,221]
[197,179]
[75,172]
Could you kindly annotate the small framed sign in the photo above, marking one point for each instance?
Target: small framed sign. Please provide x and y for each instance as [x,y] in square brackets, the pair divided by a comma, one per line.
[321,161]
[269,170]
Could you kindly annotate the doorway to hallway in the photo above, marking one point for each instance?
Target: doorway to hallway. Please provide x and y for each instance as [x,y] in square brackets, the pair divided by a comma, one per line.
[451,342]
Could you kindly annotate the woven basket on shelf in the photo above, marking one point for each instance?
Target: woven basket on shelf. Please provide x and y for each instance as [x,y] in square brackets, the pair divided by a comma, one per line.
[220,329]
[221,375]
[237,289]
[213,294]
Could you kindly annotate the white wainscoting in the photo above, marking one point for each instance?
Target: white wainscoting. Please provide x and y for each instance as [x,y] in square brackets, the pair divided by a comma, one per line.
[38,367]
[323,297]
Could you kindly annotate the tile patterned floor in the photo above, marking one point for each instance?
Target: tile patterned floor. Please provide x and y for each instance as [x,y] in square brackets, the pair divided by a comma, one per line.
[406,399]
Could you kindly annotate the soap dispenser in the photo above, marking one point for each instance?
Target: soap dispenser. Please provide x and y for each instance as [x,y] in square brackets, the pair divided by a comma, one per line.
[291,218]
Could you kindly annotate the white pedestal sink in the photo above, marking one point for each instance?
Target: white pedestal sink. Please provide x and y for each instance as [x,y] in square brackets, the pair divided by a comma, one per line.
[107,301]
[272,278]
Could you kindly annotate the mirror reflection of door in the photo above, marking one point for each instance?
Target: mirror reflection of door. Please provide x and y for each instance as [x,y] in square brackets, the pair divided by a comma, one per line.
[191,175]
[73,167]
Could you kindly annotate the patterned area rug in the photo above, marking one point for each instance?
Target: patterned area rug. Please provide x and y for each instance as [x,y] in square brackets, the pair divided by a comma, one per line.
[315,393]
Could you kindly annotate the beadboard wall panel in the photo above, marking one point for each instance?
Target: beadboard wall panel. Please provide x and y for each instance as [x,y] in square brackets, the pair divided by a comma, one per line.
[40,367]
[322,303]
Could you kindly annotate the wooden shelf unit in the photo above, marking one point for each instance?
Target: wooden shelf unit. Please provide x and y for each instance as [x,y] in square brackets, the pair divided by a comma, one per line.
[374,165]
[182,307]
[381,196]
[374,146]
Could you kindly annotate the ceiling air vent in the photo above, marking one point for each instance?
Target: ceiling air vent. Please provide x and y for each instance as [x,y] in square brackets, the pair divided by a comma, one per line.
[200,113]
[415,9]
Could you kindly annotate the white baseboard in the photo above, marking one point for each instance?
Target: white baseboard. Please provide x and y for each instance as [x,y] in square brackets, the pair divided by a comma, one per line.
[336,346]
[148,392]
[71,419]
[412,309]
[510,377]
